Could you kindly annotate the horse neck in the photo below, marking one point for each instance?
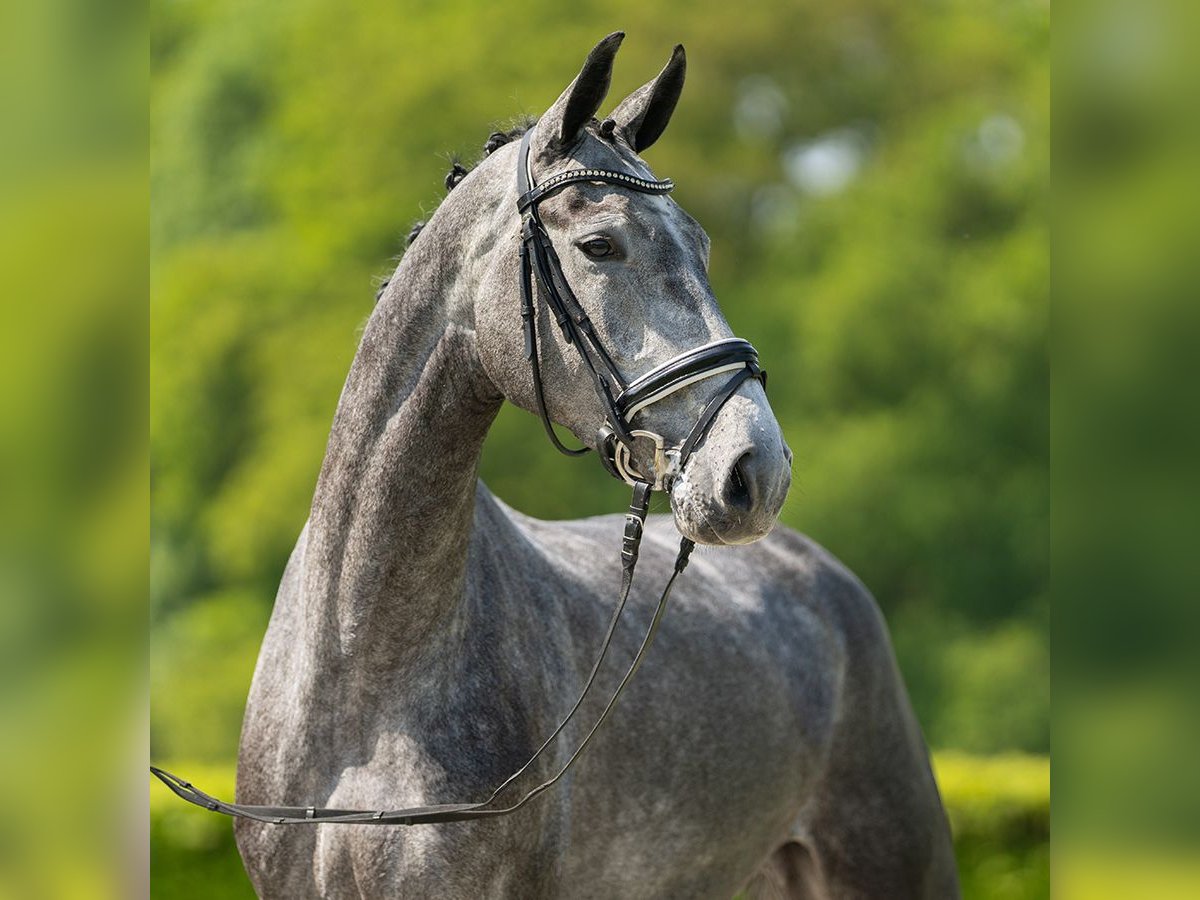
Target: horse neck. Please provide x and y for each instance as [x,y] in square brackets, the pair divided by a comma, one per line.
[392,514]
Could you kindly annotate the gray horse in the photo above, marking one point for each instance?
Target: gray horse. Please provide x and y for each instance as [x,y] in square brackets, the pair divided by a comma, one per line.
[426,637]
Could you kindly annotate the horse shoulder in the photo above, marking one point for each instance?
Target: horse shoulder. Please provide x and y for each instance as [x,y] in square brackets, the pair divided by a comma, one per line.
[811,581]
[875,821]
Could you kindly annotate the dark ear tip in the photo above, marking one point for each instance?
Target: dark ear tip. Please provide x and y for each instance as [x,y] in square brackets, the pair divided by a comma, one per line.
[605,51]
[612,42]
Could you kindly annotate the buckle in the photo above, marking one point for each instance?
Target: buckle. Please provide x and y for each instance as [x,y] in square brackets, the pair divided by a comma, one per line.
[633,527]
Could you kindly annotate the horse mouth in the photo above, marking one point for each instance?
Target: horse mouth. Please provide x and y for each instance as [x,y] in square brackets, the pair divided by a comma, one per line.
[699,520]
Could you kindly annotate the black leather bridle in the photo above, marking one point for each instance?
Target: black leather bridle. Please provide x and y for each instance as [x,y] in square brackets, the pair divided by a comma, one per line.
[542,272]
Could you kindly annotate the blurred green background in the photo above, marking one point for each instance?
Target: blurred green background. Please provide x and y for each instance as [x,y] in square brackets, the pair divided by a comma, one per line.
[874,176]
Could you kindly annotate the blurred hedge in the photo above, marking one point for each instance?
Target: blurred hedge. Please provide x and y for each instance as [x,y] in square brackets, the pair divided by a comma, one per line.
[999,809]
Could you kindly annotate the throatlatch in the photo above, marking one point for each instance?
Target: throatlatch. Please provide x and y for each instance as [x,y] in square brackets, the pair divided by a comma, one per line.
[622,401]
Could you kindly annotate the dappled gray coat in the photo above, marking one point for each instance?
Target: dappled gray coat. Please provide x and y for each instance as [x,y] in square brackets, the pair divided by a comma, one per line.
[426,637]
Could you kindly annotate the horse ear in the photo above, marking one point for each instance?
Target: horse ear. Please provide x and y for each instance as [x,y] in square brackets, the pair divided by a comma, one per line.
[644,114]
[579,102]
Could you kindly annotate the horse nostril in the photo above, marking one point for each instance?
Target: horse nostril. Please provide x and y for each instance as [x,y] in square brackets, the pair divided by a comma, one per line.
[738,492]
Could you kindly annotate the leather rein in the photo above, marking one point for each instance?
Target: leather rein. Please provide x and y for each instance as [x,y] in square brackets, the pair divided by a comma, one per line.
[541,273]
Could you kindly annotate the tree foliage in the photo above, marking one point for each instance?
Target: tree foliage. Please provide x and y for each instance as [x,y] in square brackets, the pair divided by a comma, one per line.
[873,176]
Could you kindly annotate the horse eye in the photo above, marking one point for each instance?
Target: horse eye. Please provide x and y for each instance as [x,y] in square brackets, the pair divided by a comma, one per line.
[597,247]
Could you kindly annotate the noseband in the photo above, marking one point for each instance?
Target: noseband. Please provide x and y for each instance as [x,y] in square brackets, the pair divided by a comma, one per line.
[541,272]
[622,402]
